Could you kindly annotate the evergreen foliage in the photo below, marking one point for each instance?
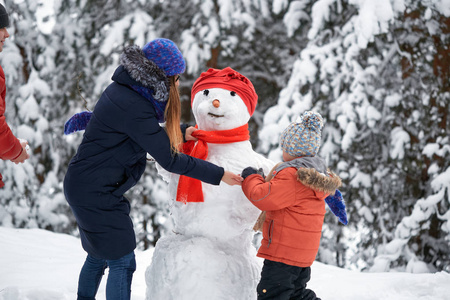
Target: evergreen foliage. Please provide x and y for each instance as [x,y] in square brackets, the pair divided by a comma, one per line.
[382,86]
[377,71]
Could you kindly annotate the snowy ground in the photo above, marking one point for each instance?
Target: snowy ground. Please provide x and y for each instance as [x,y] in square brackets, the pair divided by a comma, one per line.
[37,264]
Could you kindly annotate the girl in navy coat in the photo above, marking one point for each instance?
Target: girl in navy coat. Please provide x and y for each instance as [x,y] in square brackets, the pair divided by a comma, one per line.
[123,128]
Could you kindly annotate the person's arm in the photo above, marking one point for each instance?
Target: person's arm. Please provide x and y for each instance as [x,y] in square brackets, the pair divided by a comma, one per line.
[142,126]
[275,194]
[10,147]
[183,128]
[231,178]
[228,177]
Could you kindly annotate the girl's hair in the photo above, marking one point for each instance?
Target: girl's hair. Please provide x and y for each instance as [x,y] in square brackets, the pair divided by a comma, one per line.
[172,115]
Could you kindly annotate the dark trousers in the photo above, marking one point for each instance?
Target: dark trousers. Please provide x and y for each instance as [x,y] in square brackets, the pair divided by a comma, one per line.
[284,282]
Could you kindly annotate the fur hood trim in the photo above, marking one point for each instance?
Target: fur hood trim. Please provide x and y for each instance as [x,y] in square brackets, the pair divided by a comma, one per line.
[313,173]
[313,179]
[145,72]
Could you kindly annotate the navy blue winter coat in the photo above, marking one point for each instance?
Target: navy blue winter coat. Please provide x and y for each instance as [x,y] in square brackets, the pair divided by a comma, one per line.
[111,159]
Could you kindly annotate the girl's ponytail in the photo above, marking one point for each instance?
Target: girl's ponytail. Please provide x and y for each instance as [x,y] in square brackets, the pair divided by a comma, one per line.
[172,115]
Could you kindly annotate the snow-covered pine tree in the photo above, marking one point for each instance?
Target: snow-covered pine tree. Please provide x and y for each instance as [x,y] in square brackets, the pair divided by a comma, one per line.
[377,71]
[32,196]
[247,35]
[419,141]
[357,72]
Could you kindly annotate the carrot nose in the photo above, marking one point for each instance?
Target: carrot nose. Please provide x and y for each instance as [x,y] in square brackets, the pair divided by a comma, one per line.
[216,103]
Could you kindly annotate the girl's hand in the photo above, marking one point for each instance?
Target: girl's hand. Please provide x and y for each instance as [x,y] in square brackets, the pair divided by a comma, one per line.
[188,135]
[231,178]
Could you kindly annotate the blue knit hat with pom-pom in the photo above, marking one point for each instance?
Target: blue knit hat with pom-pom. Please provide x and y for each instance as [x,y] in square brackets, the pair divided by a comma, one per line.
[302,138]
[166,55]
[163,52]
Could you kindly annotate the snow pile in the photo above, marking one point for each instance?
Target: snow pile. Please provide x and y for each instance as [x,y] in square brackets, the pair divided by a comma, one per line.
[41,265]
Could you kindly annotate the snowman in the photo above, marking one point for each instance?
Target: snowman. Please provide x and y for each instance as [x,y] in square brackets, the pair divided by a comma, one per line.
[210,254]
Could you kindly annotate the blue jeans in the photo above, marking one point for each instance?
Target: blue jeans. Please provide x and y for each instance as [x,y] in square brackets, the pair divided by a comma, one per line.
[118,286]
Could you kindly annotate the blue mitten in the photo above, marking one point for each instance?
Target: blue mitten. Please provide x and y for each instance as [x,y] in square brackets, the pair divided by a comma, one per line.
[337,206]
[77,122]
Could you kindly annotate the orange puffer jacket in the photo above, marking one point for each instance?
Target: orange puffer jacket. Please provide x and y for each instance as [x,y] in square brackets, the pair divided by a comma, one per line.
[294,203]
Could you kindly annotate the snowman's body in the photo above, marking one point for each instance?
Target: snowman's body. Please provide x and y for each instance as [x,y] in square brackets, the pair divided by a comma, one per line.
[210,255]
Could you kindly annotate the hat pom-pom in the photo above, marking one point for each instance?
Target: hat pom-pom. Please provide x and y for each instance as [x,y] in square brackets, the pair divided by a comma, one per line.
[77,122]
[337,206]
[312,120]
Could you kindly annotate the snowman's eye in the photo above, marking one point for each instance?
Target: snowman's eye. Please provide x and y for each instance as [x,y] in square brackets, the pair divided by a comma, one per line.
[233,93]
[206,92]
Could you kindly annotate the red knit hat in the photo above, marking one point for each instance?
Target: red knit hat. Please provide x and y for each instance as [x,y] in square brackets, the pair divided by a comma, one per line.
[230,80]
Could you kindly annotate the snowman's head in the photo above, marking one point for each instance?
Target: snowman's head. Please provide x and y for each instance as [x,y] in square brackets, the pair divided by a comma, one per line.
[219,109]
[222,100]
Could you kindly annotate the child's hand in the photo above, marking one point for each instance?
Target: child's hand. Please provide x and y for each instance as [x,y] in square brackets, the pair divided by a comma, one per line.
[250,170]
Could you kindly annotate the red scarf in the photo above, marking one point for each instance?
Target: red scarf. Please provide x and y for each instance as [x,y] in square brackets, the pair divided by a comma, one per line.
[190,189]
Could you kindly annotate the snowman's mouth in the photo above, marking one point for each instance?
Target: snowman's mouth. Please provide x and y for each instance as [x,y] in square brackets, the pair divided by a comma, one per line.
[215,116]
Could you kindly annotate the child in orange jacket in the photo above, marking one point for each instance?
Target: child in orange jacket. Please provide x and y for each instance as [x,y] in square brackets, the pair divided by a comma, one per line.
[10,147]
[293,200]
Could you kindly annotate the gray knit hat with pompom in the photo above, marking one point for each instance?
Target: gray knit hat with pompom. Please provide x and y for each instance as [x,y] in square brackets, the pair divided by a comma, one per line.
[302,138]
